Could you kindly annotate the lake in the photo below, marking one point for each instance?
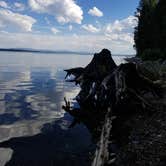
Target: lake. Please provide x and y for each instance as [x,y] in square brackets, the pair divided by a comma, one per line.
[34,130]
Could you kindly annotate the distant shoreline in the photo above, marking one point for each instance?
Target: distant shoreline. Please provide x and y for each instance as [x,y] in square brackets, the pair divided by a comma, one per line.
[42,51]
[51,51]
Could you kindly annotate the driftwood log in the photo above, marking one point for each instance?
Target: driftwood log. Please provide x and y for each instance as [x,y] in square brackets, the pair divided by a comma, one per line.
[107,93]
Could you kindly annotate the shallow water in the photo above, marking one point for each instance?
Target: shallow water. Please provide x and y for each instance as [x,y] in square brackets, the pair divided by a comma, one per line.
[32,89]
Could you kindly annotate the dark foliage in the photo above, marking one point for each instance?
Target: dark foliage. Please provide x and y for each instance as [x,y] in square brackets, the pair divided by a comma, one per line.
[150,34]
[109,95]
[161,22]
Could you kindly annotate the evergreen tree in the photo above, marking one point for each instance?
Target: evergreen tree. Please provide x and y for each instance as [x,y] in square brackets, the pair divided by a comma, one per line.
[150,34]
[161,22]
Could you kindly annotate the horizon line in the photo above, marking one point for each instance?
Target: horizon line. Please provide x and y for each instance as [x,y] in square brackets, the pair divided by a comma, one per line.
[53,51]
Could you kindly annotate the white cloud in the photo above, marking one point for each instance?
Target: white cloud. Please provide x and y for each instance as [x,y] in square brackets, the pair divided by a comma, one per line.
[123,37]
[95,12]
[116,36]
[4,4]
[54,30]
[90,28]
[19,6]
[47,20]
[15,21]
[70,27]
[126,25]
[64,11]
[121,30]
[75,35]
[88,43]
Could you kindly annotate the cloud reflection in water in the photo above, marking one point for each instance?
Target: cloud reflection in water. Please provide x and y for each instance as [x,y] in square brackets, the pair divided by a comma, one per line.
[29,100]
[32,89]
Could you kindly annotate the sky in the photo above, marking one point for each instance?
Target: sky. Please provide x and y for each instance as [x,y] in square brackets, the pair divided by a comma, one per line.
[68,25]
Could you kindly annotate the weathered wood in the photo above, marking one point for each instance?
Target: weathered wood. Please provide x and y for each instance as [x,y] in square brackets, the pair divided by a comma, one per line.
[102,154]
[111,90]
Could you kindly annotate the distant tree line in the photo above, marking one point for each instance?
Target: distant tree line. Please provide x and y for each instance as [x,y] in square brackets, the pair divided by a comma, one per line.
[150,33]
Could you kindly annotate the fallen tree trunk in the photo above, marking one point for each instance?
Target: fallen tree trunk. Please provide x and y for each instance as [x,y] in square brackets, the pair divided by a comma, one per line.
[103,155]
[110,90]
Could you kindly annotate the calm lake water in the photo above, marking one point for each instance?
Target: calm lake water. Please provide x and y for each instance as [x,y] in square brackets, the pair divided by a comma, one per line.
[33,127]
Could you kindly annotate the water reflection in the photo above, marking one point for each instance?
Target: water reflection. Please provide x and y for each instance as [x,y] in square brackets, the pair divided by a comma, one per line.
[33,126]
[32,99]
[45,149]
[32,89]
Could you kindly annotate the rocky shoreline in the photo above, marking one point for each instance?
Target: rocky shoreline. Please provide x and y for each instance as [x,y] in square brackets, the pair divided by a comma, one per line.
[146,144]
[124,109]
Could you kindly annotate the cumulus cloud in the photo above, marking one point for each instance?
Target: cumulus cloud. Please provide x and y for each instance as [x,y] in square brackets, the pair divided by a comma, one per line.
[122,37]
[116,36]
[4,4]
[89,43]
[70,27]
[124,25]
[95,12]
[47,20]
[64,11]
[15,21]
[90,28]
[54,30]
[19,6]
[121,29]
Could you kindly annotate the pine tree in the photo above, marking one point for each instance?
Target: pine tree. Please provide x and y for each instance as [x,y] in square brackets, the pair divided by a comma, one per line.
[144,33]
[161,22]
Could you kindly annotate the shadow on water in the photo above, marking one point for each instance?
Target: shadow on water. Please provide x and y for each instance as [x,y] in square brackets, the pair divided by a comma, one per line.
[35,102]
[32,122]
[55,145]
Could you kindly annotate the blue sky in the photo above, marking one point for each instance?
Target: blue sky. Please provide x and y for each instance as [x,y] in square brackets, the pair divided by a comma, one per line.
[82,25]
